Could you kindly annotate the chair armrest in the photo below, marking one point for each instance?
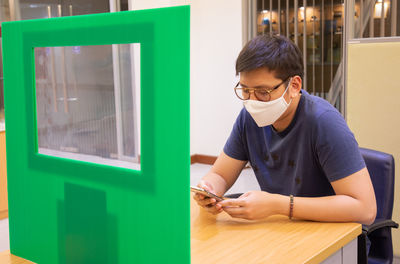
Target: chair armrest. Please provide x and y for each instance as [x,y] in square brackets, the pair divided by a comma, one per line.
[380,224]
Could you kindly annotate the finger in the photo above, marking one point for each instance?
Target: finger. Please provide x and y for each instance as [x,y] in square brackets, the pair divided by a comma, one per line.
[206,202]
[233,203]
[234,211]
[218,207]
[198,197]
[213,210]
[236,214]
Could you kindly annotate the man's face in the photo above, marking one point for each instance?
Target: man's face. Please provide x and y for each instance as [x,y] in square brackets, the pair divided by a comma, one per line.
[263,79]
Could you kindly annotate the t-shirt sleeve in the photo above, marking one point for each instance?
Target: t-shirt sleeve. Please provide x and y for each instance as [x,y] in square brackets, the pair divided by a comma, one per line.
[235,146]
[336,147]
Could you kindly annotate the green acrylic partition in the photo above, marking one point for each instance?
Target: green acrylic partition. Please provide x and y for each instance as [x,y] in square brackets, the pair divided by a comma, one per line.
[68,211]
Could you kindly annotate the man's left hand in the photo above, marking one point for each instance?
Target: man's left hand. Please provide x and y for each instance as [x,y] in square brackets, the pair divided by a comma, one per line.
[252,205]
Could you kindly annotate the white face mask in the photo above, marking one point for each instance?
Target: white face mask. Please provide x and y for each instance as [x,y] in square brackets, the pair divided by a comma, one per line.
[266,113]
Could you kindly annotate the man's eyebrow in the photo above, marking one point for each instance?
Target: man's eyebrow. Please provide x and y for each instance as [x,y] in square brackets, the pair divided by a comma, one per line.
[258,86]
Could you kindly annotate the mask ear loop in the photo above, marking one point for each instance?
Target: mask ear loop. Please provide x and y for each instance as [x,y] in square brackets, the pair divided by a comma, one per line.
[287,87]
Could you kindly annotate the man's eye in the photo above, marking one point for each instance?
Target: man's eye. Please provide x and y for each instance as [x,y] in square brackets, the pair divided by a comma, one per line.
[262,92]
[245,90]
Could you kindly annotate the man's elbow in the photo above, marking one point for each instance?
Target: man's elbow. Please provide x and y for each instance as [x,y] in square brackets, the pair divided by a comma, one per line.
[368,215]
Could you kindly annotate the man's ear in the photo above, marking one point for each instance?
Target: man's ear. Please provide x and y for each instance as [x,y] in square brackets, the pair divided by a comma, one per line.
[295,86]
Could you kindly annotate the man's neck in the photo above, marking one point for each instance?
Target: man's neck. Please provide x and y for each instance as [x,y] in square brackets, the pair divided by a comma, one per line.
[287,117]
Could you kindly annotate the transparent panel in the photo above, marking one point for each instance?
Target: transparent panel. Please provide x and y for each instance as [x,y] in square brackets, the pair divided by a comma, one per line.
[5,10]
[316,26]
[4,16]
[379,18]
[34,9]
[88,103]
[2,123]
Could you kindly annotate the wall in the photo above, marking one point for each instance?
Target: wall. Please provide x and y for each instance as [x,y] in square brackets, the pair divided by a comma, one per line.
[216,40]
[372,105]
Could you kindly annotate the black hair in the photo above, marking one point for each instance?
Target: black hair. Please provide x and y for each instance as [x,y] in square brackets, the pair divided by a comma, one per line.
[277,53]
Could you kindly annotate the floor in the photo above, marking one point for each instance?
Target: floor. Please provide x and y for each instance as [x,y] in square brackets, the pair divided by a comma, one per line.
[245,182]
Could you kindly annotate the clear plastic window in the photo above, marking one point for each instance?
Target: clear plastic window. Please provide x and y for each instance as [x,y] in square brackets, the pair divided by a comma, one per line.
[87,100]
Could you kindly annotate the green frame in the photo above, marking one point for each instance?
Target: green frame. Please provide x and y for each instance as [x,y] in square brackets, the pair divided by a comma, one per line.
[38,184]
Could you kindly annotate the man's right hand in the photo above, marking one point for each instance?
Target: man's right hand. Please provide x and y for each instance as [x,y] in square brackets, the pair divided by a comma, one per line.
[209,204]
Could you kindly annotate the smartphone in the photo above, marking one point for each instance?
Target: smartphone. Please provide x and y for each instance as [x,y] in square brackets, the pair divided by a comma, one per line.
[206,193]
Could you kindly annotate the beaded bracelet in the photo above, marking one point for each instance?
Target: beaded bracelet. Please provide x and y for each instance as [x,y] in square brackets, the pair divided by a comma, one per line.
[291,207]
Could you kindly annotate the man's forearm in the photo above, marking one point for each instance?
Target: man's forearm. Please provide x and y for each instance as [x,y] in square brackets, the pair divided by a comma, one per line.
[336,208]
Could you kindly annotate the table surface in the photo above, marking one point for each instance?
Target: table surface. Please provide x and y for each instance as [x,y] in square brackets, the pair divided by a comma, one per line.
[7,258]
[222,239]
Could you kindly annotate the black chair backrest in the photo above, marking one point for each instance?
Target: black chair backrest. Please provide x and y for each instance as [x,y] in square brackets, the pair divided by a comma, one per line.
[380,166]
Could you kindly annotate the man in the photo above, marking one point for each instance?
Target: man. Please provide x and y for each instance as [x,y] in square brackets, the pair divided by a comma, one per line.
[304,156]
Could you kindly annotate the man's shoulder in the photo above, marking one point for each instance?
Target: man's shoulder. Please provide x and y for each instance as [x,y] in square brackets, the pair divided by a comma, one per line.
[321,118]
[316,108]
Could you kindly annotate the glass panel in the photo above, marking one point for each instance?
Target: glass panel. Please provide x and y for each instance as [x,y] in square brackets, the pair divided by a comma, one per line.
[87,104]
[316,26]
[4,16]
[124,5]
[4,10]
[2,123]
[28,9]
[380,18]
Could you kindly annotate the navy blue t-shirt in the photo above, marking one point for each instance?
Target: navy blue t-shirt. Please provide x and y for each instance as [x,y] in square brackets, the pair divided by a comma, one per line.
[315,149]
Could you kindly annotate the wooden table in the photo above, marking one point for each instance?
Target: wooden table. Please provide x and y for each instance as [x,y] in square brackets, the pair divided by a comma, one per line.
[7,258]
[222,239]
[3,177]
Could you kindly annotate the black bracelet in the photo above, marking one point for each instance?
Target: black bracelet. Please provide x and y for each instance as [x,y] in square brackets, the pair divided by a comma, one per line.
[291,207]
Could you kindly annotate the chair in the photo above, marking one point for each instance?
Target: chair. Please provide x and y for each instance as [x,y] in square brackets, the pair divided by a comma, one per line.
[381,169]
